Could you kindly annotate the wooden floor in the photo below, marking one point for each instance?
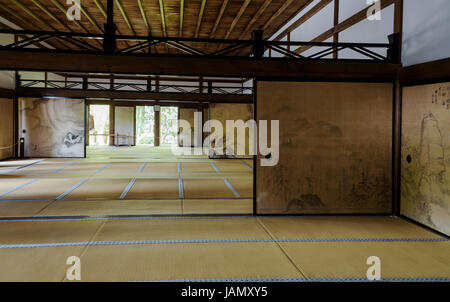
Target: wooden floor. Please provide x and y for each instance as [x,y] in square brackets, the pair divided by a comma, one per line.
[126,181]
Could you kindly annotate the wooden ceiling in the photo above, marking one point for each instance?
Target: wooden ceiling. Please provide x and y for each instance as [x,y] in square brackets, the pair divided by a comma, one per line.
[229,19]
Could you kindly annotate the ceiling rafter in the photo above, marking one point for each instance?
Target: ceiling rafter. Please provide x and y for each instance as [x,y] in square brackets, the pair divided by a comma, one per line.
[50,14]
[88,16]
[238,16]
[163,20]
[200,17]
[180,33]
[125,16]
[308,15]
[277,13]
[144,15]
[219,18]
[356,18]
[255,18]
[64,11]
[39,20]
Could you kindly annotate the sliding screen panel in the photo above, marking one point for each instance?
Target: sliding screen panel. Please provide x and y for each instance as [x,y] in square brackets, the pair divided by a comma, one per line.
[425,185]
[335,150]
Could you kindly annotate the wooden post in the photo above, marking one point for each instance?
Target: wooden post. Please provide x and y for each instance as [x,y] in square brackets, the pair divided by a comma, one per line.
[88,125]
[45,80]
[157,127]
[15,126]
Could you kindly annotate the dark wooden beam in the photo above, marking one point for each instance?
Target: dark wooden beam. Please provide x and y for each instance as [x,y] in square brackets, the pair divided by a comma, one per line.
[33,60]
[435,71]
[6,93]
[160,96]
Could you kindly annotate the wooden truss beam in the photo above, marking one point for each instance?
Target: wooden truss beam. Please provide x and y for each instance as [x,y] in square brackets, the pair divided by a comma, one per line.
[180,32]
[236,19]
[308,15]
[255,18]
[125,16]
[219,18]
[157,96]
[356,18]
[192,66]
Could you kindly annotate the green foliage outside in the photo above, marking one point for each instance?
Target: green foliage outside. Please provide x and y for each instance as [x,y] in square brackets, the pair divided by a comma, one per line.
[145,122]
[169,125]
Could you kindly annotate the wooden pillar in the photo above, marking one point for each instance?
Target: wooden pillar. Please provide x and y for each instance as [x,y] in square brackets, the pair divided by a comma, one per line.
[88,114]
[112,112]
[396,150]
[289,40]
[336,22]
[15,127]
[397,123]
[157,125]
[45,80]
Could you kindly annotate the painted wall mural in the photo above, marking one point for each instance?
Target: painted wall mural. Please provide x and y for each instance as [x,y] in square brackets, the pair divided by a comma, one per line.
[224,112]
[335,148]
[52,127]
[425,187]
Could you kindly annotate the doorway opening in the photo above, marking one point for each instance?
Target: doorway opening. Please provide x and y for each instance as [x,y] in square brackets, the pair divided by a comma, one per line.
[99,124]
[145,125]
[169,126]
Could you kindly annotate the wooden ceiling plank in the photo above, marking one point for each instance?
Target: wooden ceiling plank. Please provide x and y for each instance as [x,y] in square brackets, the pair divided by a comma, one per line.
[29,12]
[236,19]
[356,18]
[64,11]
[49,13]
[308,15]
[200,17]
[255,18]
[125,16]
[88,16]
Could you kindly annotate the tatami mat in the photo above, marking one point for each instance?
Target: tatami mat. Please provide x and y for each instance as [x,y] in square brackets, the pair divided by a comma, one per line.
[154,167]
[16,209]
[32,232]
[113,207]
[343,227]
[231,166]
[217,206]
[154,188]
[99,188]
[348,259]
[10,183]
[46,264]
[42,189]
[199,167]
[181,229]
[243,186]
[186,261]
[206,188]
